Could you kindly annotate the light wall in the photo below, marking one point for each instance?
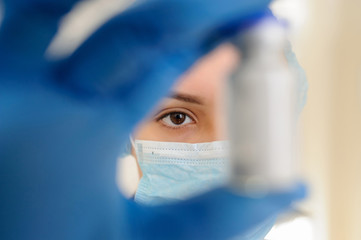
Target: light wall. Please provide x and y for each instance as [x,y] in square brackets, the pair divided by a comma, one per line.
[329,49]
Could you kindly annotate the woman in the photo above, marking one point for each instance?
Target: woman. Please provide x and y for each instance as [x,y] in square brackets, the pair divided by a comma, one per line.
[190,120]
[193,113]
[181,148]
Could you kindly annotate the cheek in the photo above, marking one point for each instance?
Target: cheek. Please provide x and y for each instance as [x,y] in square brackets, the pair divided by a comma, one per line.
[148,131]
[213,128]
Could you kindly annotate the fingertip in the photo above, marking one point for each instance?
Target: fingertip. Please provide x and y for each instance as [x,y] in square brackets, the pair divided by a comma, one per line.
[296,192]
[301,190]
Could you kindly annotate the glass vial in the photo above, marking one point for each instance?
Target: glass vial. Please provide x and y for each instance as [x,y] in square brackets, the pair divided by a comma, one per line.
[261,112]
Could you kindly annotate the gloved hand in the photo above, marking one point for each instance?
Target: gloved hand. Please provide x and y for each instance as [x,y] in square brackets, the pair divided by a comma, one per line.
[219,214]
[62,123]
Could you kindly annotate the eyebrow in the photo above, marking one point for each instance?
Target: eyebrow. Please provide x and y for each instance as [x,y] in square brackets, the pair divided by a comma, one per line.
[186,98]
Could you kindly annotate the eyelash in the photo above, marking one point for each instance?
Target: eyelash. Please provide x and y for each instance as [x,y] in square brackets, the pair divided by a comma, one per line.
[188,120]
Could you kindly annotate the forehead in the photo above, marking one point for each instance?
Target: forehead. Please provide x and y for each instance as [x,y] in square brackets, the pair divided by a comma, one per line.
[207,77]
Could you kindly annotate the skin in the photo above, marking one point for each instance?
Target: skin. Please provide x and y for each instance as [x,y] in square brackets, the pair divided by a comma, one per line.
[194,110]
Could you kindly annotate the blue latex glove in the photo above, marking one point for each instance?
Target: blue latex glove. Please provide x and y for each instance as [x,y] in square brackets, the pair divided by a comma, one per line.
[62,124]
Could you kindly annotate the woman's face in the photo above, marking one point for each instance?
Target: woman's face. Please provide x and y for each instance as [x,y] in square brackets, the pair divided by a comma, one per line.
[194,111]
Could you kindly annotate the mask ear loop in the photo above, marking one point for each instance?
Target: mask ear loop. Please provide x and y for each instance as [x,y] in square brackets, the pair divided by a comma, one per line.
[132,141]
[128,172]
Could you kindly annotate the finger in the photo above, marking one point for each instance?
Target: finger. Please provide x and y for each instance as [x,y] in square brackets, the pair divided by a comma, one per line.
[137,55]
[240,213]
[219,214]
[27,29]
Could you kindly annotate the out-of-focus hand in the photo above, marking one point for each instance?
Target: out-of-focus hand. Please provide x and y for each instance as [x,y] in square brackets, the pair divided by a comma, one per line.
[62,123]
[219,214]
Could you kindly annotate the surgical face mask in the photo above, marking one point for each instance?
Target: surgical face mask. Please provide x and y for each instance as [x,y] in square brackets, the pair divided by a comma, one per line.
[176,171]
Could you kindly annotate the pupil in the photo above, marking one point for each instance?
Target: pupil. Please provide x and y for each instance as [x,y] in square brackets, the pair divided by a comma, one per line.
[177,118]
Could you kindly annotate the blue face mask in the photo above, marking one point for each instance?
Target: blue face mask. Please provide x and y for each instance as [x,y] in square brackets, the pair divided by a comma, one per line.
[175,171]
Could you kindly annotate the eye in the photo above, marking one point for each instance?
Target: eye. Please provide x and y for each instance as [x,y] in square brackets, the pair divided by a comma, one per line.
[176,119]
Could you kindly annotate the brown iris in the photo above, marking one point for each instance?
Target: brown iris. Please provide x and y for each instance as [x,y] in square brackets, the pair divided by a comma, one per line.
[177,118]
